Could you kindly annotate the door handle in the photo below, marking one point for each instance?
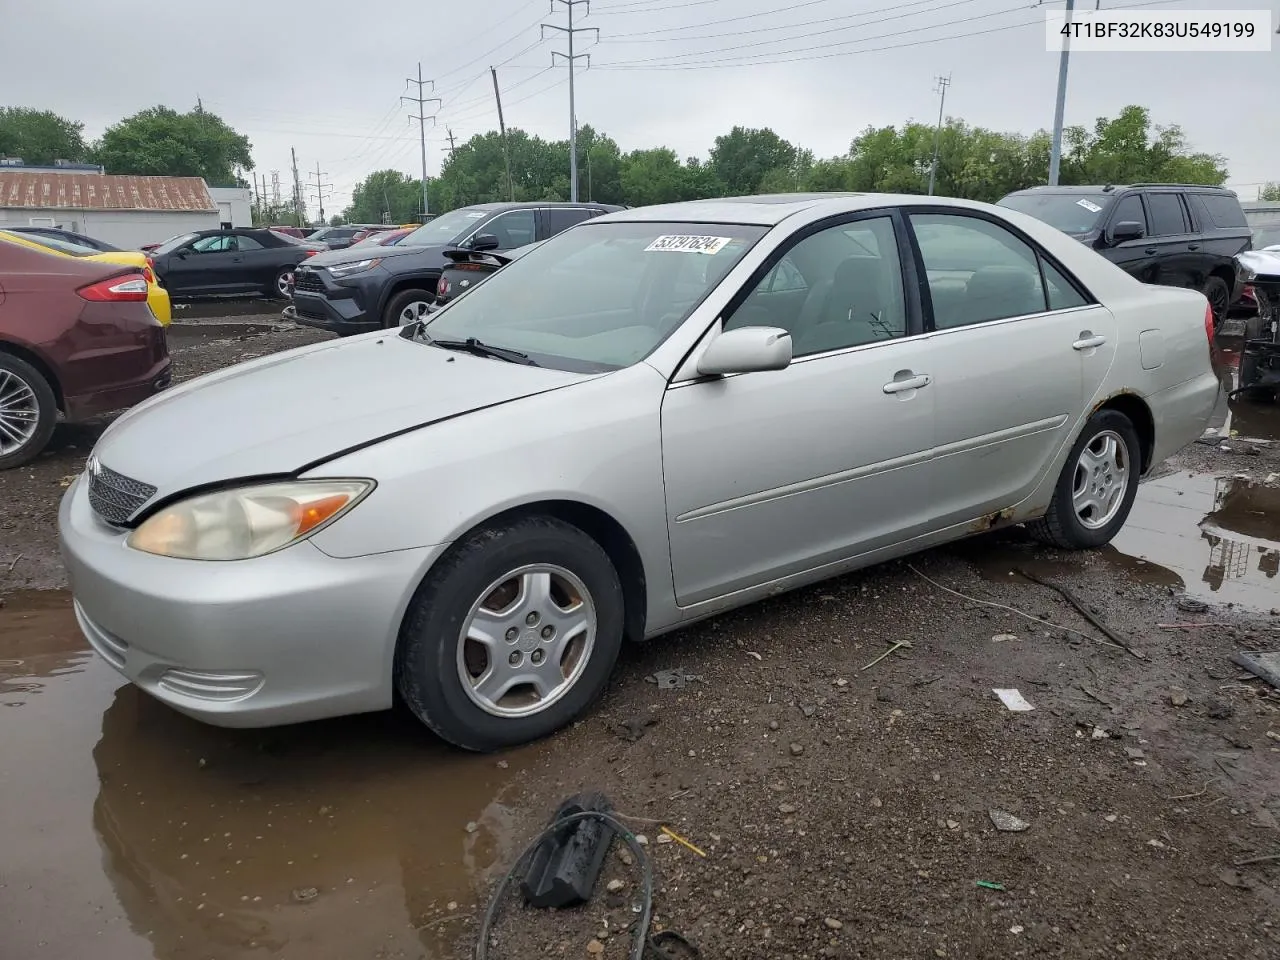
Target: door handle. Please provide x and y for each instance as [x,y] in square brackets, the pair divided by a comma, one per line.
[1151,250]
[236,259]
[908,381]
[1193,246]
[1088,341]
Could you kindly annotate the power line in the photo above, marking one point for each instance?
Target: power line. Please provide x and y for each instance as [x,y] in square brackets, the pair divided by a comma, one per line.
[422,119]
[572,59]
[619,9]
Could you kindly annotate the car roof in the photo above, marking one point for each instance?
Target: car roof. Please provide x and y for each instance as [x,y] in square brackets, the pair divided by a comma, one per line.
[1117,187]
[771,209]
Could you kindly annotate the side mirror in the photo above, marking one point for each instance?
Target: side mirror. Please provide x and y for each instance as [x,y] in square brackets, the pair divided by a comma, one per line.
[746,350]
[485,241]
[1127,230]
[182,254]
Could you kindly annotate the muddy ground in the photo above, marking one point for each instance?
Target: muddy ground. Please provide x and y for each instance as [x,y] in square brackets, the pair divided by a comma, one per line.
[838,808]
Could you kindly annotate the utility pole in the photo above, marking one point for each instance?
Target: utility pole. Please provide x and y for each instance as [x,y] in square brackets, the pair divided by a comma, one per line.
[422,119]
[572,59]
[1055,153]
[506,151]
[299,211]
[939,88]
[452,145]
[320,189]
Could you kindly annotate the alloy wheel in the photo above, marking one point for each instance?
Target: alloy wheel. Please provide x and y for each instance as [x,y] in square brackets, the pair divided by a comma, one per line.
[284,283]
[526,641]
[413,312]
[1101,478]
[19,412]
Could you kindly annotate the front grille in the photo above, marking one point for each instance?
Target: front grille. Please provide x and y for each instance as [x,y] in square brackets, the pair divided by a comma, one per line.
[308,280]
[113,496]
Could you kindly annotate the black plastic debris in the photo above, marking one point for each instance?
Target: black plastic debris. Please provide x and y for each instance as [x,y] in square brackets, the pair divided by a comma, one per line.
[563,870]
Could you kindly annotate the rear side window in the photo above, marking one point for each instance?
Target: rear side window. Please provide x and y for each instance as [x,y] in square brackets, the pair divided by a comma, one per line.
[1223,210]
[1167,215]
[559,218]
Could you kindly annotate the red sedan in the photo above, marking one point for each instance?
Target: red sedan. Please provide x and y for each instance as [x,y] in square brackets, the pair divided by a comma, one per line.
[76,338]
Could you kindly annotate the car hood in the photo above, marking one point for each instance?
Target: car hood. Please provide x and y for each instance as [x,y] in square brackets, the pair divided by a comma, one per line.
[278,414]
[1264,263]
[355,254]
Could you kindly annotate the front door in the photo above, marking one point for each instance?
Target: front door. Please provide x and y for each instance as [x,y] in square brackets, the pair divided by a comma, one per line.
[1135,257]
[1018,351]
[773,474]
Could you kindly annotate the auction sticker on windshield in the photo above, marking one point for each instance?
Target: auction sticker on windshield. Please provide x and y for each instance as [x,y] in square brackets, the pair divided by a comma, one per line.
[1088,205]
[684,244]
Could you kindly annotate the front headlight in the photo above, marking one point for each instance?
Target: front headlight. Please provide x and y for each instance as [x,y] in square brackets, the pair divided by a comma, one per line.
[339,270]
[248,521]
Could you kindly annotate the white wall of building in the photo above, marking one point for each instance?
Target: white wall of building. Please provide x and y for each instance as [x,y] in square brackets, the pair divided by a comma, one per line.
[235,207]
[127,229]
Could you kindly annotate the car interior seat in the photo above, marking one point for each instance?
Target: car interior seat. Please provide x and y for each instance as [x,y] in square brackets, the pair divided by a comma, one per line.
[994,293]
[846,311]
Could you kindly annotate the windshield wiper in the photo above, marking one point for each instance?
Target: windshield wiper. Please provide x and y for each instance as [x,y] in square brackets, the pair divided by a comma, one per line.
[473,346]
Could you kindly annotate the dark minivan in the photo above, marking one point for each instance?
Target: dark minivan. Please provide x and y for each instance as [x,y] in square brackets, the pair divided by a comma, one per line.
[1176,235]
[363,289]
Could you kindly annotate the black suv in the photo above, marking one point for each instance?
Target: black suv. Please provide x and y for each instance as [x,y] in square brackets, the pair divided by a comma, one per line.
[362,289]
[1177,235]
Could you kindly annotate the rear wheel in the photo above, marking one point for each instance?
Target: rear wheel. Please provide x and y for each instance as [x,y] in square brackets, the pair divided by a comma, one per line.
[1219,297]
[28,412]
[512,635]
[406,307]
[1097,486]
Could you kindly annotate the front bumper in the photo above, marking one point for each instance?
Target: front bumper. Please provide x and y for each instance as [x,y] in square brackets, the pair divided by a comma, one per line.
[293,636]
[343,308]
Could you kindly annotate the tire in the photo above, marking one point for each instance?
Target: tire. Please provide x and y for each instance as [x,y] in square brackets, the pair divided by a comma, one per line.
[1219,297]
[1249,370]
[1064,525]
[282,287]
[413,301]
[28,412]
[439,673]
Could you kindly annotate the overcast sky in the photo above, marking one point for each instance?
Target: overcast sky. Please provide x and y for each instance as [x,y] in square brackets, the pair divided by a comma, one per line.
[324,76]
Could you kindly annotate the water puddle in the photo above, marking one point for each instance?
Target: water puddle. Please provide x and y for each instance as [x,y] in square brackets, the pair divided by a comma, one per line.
[131,831]
[1219,535]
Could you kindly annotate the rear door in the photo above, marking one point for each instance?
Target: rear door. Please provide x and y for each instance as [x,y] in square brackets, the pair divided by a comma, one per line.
[1169,230]
[1018,351]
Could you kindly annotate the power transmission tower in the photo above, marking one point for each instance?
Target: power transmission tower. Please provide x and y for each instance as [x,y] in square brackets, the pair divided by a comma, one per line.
[422,119]
[572,59]
[299,211]
[275,187]
[320,188]
[939,88]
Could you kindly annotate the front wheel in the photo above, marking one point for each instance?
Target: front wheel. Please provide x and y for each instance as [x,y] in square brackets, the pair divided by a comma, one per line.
[512,635]
[1097,486]
[283,287]
[406,307]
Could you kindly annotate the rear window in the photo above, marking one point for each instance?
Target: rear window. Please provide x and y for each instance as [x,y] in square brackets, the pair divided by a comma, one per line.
[1223,210]
[1074,213]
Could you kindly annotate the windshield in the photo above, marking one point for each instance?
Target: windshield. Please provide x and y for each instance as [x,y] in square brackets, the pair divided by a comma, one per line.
[1268,236]
[446,228]
[1070,212]
[600,296]
[173,243]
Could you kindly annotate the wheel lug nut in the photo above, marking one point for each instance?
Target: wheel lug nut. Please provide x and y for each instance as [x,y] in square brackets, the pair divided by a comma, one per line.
[512,633]
[514,659]
[532,618]
[547,631]
[536,656]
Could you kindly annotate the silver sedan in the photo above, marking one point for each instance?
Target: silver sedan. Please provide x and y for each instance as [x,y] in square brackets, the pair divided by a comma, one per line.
[656,416]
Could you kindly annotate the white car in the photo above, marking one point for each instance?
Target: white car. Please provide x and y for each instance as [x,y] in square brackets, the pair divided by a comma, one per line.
[657,415]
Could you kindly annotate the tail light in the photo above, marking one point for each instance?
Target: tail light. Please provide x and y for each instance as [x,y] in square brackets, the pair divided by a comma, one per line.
[1208,323]
[310,253]
[149,271]
[442,288]
[131,286]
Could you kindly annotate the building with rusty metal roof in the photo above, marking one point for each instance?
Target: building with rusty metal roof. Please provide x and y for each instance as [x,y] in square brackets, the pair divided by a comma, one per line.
[126,211]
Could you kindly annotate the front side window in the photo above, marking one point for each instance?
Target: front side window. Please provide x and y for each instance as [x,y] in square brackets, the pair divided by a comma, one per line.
[513,229]
[214,244]
[1129,210]
[599,297]
[977,270]
[1167,218]
[842,287]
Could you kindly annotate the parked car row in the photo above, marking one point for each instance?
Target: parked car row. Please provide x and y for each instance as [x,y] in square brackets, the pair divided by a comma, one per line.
[80,335]
[651,417]
[354,290]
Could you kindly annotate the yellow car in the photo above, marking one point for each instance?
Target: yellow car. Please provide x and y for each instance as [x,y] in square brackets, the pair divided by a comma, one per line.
[157,296]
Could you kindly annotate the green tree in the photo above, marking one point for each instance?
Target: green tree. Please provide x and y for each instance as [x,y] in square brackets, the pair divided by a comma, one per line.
[40,136]
[1127,149]
[389,192]
[1270,192]
[741,158]
[160,141]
